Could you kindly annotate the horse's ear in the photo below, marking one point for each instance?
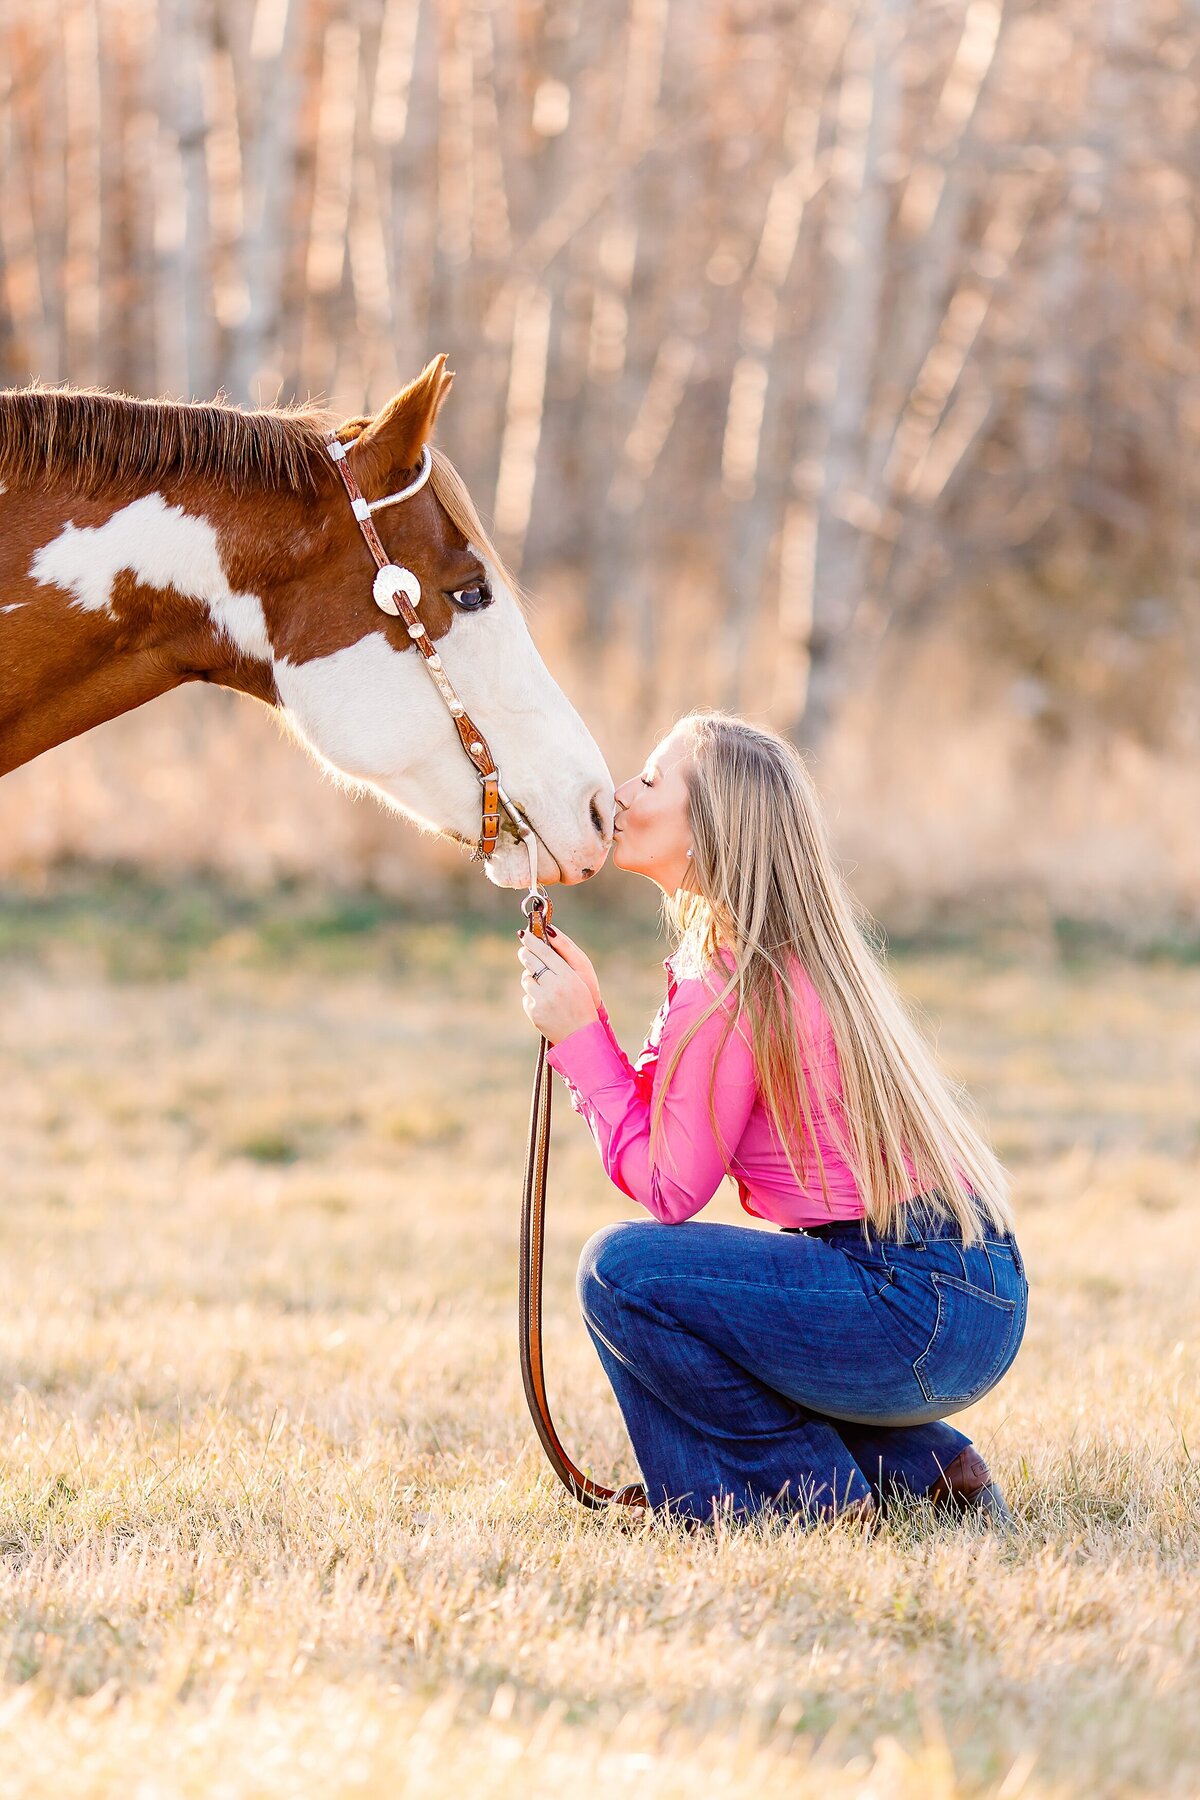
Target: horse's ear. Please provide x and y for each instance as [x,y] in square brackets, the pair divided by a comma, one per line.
[393,441]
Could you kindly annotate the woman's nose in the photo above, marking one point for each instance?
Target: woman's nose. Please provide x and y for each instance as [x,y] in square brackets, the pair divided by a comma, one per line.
[624,794]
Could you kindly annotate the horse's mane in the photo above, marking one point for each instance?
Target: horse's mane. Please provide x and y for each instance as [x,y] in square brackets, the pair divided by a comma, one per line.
[90,439]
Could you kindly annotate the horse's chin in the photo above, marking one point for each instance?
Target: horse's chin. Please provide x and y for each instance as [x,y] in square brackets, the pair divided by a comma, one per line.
[508,867]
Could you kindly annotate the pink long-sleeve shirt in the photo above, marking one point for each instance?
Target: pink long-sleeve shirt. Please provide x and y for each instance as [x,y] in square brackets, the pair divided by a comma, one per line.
[616,1097]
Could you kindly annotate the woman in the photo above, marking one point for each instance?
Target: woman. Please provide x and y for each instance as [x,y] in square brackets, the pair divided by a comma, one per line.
[809,1368]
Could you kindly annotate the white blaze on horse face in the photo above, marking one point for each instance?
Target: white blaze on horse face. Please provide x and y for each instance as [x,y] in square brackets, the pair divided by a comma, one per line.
[162,547]
[373,713]
[548,760]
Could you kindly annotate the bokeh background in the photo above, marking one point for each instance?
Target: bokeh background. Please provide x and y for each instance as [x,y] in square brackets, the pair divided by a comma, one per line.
[836,362]
[833,361]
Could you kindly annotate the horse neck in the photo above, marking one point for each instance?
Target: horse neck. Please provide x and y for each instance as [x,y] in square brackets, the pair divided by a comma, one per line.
[109,601]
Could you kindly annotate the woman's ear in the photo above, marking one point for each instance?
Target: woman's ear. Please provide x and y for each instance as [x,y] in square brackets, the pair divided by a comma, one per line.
[391,444]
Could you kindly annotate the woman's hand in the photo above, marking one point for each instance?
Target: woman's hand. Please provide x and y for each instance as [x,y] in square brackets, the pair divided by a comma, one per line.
[557,1001]
[575,959]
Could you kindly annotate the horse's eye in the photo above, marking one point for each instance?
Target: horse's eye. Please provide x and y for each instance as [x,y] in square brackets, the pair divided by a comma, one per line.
[473,598]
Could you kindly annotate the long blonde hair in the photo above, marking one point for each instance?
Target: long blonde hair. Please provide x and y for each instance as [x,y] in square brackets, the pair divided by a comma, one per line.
[765,893]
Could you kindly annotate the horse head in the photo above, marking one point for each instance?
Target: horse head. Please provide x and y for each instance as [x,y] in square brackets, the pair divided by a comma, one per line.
[354,688]
[148,543]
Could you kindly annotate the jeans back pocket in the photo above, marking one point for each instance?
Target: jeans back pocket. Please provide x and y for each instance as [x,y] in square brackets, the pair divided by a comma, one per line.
[972,1342]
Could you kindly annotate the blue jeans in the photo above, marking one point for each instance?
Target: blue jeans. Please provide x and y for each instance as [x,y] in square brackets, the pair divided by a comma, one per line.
[796,1370]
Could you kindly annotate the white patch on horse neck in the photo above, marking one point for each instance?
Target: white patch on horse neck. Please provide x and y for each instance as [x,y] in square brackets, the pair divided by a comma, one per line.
[15,607]
[163,547]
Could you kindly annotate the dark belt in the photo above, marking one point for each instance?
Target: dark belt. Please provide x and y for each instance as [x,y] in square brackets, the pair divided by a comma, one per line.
[922,1230]
[835,1228]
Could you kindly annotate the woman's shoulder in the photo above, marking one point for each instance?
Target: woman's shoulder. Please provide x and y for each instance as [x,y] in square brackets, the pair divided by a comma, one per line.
[695,989]
[693,978]
[804,989]
[712,975]
[710,1030]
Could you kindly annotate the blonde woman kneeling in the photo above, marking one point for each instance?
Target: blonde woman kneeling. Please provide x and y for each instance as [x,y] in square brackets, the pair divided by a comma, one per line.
[809,1368]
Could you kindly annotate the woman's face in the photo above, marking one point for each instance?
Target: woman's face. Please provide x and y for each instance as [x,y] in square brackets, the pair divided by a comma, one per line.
[652,835]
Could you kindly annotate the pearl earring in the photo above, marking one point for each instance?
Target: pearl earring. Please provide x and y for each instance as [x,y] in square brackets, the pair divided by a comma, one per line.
[689,854]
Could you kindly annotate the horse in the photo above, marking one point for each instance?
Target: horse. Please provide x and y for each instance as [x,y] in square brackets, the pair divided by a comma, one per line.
[148,543]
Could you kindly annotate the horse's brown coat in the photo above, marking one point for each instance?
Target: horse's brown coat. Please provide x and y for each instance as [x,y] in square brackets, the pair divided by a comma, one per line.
[286,535]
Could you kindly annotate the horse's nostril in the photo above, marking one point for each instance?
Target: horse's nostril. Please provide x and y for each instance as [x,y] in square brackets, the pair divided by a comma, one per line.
[597,817]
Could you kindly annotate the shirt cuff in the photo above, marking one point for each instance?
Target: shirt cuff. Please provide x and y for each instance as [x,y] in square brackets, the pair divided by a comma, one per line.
[589,1059]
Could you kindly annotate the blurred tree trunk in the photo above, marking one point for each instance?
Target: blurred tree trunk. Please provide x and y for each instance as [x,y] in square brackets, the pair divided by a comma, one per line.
[867,129]
[186,41]
[271,114]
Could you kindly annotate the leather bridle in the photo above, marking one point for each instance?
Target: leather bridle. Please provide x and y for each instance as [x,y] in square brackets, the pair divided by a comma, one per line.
[398,592]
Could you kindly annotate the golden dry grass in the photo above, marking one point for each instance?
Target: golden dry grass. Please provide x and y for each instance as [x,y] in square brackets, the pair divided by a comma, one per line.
[271,1517]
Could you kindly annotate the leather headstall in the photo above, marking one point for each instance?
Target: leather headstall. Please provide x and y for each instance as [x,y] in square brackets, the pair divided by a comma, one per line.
[398,593]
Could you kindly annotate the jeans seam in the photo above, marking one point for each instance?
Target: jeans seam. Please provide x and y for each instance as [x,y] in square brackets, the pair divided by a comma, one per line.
[991,1268]
[646,1281]
[973,1290]
[981,1387]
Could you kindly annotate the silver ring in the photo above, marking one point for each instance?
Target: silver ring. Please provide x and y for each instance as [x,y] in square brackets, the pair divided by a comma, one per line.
[537,973]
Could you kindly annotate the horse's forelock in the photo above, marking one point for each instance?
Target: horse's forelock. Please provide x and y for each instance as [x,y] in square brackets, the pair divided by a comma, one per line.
[450,491]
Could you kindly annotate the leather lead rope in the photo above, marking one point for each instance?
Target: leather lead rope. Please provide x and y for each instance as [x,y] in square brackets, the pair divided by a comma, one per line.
[395,590]
[529,1287]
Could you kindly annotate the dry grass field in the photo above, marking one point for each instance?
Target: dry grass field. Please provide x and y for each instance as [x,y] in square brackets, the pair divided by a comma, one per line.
[272,1519]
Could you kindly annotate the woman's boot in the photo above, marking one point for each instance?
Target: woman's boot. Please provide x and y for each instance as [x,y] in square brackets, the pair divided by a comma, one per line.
[966,1486]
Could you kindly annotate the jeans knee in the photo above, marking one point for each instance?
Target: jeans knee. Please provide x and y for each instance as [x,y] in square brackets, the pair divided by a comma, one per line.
[606,1260]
